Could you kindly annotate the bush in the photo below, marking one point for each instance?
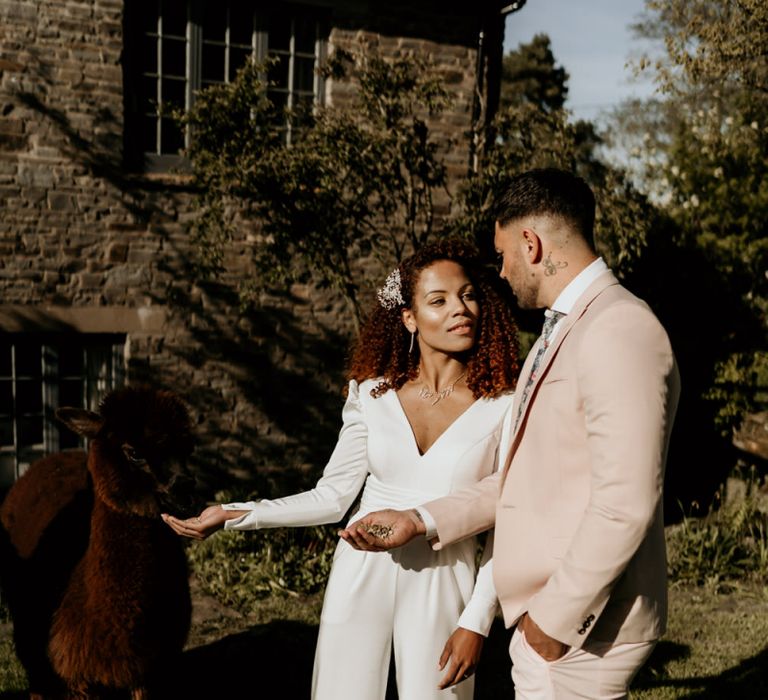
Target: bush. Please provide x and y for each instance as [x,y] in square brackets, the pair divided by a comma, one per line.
[240,568]
[728,545]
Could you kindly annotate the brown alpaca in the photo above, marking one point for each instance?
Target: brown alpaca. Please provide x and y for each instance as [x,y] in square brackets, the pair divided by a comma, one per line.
[95,581]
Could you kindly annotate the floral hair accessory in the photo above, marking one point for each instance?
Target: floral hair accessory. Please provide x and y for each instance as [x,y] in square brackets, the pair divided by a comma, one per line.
[391,295]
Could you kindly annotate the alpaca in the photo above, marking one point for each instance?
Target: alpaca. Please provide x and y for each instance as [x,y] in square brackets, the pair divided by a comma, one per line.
[96,583]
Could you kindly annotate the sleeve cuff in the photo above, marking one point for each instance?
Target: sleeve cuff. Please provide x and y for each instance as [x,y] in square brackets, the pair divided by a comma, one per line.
[478,615]
[247,521]
[429,522]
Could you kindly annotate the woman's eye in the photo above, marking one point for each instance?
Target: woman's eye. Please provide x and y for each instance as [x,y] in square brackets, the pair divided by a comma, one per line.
[436,302]
[468,296]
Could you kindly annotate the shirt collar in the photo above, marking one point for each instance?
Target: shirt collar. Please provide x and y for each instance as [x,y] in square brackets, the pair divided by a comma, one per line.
[578,285]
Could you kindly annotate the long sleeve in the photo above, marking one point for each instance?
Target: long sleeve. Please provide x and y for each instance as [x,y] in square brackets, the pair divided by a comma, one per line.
[333,494]
[482,606]
[481,609]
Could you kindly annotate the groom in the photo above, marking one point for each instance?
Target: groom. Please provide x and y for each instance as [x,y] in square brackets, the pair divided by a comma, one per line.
[579,558]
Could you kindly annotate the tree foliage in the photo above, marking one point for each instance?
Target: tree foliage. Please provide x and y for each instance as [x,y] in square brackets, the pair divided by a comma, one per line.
[698,149]
[702,147]
[533,129]
[368,177]
[354,180]
[529,75]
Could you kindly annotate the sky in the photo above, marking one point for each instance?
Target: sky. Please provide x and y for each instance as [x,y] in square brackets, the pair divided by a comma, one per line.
[592,41]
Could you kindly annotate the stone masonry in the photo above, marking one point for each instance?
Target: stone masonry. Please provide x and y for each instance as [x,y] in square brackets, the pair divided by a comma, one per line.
[88,246]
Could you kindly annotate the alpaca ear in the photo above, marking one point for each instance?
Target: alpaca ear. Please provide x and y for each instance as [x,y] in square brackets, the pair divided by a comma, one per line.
[78,420]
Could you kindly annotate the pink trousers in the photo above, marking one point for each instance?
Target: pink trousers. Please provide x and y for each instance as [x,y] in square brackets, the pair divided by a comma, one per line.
[600,672]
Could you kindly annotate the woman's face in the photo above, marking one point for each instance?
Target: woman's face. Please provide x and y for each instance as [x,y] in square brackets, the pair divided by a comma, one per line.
[444,311]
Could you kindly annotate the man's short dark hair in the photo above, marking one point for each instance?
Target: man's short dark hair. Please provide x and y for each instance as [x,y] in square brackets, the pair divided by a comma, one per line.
[548,191]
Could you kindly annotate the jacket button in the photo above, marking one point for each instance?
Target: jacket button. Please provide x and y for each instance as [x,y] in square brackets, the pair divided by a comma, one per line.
[591,617]
[582,631]
[587,623]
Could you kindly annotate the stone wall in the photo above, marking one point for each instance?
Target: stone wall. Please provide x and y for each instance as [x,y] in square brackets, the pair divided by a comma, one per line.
[83,240]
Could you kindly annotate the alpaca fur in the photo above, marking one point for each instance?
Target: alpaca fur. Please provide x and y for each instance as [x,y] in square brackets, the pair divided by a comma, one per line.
[96,583]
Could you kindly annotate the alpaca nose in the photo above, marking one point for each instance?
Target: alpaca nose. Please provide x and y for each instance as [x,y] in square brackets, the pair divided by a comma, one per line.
[181,494]
[176,488]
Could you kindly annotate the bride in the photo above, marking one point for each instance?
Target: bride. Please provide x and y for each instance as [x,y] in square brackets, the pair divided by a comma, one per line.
[427,407]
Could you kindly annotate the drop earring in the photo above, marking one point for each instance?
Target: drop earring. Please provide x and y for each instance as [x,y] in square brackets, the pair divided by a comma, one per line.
[413,335]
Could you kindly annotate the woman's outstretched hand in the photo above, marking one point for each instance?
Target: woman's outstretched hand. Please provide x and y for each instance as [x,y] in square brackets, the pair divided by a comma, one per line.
[383,530]
[461,654]
[208,522]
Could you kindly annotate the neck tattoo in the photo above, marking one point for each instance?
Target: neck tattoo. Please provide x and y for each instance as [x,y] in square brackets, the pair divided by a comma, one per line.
[434,396]
[551,268]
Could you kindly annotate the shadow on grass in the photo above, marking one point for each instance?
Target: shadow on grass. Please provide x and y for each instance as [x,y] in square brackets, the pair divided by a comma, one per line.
[749,679]
[275,660]
[271,660]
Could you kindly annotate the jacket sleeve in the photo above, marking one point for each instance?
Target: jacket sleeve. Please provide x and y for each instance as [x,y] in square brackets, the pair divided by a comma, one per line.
[333,494]
[628,384]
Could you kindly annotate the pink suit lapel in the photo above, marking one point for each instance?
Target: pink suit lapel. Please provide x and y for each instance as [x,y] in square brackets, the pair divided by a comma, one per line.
[604,281]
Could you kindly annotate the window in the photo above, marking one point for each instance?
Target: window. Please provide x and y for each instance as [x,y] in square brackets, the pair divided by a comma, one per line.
[39,374]
[176,47]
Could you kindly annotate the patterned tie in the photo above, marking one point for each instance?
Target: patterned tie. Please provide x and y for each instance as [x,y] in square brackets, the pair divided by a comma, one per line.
[550,321]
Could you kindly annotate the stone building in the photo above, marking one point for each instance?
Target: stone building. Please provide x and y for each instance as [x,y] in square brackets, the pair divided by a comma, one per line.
[95,281]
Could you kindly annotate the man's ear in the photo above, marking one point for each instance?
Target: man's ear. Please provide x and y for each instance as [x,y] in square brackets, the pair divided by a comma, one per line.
[408,320]
[533,249]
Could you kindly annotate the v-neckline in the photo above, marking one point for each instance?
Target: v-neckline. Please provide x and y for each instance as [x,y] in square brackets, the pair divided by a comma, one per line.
[415,442]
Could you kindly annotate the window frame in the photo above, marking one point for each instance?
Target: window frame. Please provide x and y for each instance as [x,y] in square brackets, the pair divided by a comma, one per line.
[135,157]
[113,349]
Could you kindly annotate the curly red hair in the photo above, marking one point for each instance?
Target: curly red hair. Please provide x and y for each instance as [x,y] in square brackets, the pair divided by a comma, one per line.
[381,350]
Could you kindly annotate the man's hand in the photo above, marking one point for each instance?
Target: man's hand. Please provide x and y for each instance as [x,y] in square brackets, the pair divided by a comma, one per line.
[463,650]
[545,646]
[208,522]
[383,530]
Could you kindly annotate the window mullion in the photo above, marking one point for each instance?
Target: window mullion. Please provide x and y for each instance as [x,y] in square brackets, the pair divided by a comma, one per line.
[159,121]
[50,389]
[194,52]
[321,51]
[227,44]
[15,412]
[291,67]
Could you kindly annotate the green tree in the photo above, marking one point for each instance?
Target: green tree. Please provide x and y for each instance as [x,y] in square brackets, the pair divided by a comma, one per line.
[699,148]
[533,129]
[704,156]
[355,181]
[529,75]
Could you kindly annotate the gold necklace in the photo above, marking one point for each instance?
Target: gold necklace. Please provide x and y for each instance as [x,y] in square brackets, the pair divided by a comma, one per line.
[426,393]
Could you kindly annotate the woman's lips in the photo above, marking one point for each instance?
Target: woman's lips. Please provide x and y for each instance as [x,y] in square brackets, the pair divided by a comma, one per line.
[461,329]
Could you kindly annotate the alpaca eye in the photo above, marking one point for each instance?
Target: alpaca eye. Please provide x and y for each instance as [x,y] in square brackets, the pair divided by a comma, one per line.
[133,456]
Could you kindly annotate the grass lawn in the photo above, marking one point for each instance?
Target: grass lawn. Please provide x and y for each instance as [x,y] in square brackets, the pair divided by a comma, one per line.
[716,647]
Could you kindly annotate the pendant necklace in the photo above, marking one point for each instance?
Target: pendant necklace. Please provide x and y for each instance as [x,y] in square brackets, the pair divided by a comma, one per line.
[435,396]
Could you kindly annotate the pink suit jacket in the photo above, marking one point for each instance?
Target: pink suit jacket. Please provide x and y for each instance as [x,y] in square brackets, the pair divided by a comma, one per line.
[577,509]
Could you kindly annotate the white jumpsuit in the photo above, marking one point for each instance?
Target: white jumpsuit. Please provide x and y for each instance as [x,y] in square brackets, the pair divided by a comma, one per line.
[409,599]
